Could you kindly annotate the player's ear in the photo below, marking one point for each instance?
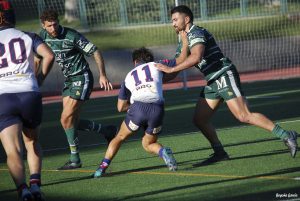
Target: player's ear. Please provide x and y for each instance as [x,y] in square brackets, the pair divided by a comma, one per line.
[187,19]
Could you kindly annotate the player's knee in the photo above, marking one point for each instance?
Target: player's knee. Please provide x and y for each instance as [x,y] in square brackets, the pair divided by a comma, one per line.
[66,121]
[13,153]
[145,144]
[63,120]
[243,117]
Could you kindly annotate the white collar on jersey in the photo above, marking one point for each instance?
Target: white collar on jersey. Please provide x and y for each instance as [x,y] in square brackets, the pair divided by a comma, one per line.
[191,28]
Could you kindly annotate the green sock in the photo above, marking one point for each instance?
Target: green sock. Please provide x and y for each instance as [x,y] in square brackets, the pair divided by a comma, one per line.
[74,144]
[280,132]
[87,125]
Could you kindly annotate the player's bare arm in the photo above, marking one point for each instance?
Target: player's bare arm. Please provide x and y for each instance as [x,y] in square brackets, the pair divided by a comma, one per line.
[123,105]
[103,80]
[46,61]
[194,58]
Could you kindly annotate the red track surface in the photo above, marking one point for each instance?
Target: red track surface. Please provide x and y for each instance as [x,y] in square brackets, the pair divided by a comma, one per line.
[247,77]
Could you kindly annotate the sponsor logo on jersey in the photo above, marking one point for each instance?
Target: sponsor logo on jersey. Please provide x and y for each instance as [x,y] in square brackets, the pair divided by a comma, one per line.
[16,72]
[77,93]
[60,55]
[143,86]
[67,45]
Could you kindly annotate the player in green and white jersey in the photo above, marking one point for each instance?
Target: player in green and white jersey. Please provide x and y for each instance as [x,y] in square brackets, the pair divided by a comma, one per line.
[223,84]
[69,48]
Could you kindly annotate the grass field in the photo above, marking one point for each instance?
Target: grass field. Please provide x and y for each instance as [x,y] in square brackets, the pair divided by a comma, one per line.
[260,167]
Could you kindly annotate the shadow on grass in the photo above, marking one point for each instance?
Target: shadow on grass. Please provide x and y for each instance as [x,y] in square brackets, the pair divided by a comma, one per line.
[207,162]
[13,197]
[263,196]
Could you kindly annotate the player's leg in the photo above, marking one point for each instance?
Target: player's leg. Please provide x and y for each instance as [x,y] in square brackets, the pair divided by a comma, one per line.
[151,145]
[11,141]
[113,149]
[204,111]
[31,113]
[80,88]
[154,114]
[69,117]
[34,159]
[10,136]
[108,131]
[239,108]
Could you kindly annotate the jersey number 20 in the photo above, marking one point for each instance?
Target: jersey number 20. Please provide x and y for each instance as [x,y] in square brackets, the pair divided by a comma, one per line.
[12,50]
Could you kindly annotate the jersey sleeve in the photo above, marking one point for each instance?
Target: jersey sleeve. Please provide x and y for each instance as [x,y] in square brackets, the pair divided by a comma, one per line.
[36,40]
[178,49]
[124,93]
[168,62]
[196,37]
[42,34]
[84,45]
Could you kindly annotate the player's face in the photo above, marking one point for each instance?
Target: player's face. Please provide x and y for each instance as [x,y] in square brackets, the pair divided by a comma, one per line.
[51,27]
[179,21]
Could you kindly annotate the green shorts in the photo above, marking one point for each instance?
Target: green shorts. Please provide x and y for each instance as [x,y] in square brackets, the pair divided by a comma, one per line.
[227,86]
[79,87]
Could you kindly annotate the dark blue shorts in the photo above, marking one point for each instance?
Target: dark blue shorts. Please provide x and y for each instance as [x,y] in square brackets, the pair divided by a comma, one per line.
[23,108]
[147,115]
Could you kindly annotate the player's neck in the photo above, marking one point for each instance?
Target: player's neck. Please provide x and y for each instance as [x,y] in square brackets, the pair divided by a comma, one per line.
[188,27]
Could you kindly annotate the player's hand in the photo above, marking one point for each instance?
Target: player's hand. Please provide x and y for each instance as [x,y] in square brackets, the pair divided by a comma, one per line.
[163,68]
[105,83]
[184,38]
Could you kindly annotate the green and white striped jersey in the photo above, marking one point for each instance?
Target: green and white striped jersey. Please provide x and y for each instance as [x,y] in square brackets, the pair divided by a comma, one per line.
[213,57]
[69,48]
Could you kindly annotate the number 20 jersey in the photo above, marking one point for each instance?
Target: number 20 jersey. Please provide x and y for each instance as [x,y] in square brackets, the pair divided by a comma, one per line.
[17,61]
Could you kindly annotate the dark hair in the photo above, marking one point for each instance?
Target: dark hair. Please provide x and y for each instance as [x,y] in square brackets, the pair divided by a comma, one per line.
[49,15]
[7,14]
[142,55]
[183,9]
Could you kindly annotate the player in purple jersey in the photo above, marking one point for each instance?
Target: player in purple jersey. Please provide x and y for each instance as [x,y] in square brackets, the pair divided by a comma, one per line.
[21,102]
[141,96]
[223,85]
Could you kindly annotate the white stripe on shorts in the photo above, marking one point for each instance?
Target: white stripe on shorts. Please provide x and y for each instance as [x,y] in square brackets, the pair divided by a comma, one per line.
[233,84]
[86,84]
